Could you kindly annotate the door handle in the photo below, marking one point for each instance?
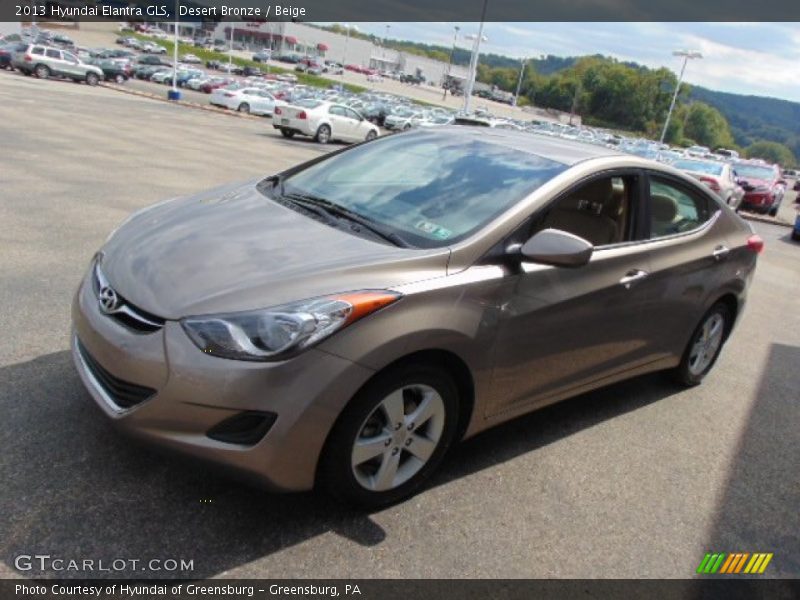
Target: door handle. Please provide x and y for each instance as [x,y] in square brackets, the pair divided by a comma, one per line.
[720,252]
[632,277]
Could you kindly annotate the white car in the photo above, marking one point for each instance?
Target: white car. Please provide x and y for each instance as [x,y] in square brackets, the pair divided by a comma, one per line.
[190,59]
[251,100]
[151,48]
[161,76]
[402,119]
[324,121]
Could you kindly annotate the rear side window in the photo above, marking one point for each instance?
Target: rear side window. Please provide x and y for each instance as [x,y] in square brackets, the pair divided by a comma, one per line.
[53,54]
[37,50]
[675,209]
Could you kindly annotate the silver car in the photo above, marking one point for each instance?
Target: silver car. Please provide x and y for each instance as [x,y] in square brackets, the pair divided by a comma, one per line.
[345,322]
[720,177]
[46,61]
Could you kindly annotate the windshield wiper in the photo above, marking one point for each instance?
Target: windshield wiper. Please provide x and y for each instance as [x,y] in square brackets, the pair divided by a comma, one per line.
[316,203]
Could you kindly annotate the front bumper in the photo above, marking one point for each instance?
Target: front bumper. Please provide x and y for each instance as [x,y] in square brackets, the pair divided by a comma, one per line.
[194,392]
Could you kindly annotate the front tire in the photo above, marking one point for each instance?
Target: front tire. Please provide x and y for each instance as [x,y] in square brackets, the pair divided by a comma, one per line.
[391,436]
[119,78]
[704,346]
[371,135]
[323,135]
[244,107]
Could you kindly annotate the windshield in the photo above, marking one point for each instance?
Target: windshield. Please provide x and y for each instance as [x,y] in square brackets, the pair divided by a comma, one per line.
[431,189]
[698,167]
[755,172]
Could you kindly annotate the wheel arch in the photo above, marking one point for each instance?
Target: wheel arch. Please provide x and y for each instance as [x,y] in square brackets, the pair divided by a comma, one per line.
[453,364]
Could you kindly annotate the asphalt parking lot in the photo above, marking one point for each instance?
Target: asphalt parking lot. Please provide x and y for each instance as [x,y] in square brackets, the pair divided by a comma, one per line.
[637,480]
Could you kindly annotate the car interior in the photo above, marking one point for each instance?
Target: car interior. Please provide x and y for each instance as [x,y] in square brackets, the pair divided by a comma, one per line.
[598,211]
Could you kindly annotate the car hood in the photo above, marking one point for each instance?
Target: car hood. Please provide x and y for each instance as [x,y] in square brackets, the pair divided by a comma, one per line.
[233,249]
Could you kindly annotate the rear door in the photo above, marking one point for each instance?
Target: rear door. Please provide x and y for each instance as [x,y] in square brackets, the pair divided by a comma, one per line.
[687,252]
[339,124]
[54,60]
[354,124]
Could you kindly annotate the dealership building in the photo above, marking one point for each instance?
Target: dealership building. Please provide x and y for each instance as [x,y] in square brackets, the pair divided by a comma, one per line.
[296,38]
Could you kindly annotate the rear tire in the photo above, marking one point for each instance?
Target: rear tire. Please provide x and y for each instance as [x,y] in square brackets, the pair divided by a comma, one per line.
[323,135]
[287,133]
[42,71]
[704,346]
[244,107]
[92,79]
[773,212]
[408,451]
[796,236]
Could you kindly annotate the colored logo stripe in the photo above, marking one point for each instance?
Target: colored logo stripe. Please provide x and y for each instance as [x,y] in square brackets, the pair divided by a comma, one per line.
[724,563]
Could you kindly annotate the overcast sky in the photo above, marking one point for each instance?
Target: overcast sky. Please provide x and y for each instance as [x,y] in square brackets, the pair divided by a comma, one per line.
[747,58]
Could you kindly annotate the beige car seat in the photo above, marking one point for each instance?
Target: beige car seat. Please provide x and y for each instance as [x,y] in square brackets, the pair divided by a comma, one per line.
[582,213]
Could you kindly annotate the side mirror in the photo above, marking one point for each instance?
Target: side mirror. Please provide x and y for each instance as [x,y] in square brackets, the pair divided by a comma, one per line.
[557,248]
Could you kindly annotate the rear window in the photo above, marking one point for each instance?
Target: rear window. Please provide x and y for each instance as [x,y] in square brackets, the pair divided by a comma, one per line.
[308,103]
[709,168]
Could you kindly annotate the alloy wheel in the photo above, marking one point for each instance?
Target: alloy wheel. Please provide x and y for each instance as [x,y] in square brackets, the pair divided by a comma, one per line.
[398,438]
[707,344]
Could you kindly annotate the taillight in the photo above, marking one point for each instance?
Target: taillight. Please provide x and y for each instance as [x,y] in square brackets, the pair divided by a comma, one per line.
[278,111]
[28,58]
[755,243]
[301,115]
[712,183]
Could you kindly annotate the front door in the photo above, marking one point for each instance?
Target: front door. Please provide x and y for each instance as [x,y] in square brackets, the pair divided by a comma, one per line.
[562,328]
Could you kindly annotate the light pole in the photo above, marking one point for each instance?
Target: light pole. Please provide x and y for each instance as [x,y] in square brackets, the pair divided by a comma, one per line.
[519,81]
[175,55]
[686,54]
[230,51]
[384,40]
[346,39]
[473,63]
[450,60]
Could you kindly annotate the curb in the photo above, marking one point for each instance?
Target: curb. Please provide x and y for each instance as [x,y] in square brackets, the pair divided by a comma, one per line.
[205,107]
[764,219]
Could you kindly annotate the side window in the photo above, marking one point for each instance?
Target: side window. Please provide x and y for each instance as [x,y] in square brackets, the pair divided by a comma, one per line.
[353,114]
[70,57]
[336,110]
[674,209]
[600,211]
[53,53]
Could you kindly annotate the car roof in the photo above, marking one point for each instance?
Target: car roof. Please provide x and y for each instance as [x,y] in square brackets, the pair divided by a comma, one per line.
[567,152]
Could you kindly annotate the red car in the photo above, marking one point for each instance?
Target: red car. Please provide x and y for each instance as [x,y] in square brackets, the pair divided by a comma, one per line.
[763,187]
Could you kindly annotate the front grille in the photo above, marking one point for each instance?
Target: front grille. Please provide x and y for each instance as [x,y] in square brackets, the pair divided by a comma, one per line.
[127,314]
[122,393]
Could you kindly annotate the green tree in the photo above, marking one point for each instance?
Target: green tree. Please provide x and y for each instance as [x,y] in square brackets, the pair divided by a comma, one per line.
[771,152]
[706,125]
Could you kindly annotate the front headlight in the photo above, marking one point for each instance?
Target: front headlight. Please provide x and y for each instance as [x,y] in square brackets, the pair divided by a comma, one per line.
[282,331]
